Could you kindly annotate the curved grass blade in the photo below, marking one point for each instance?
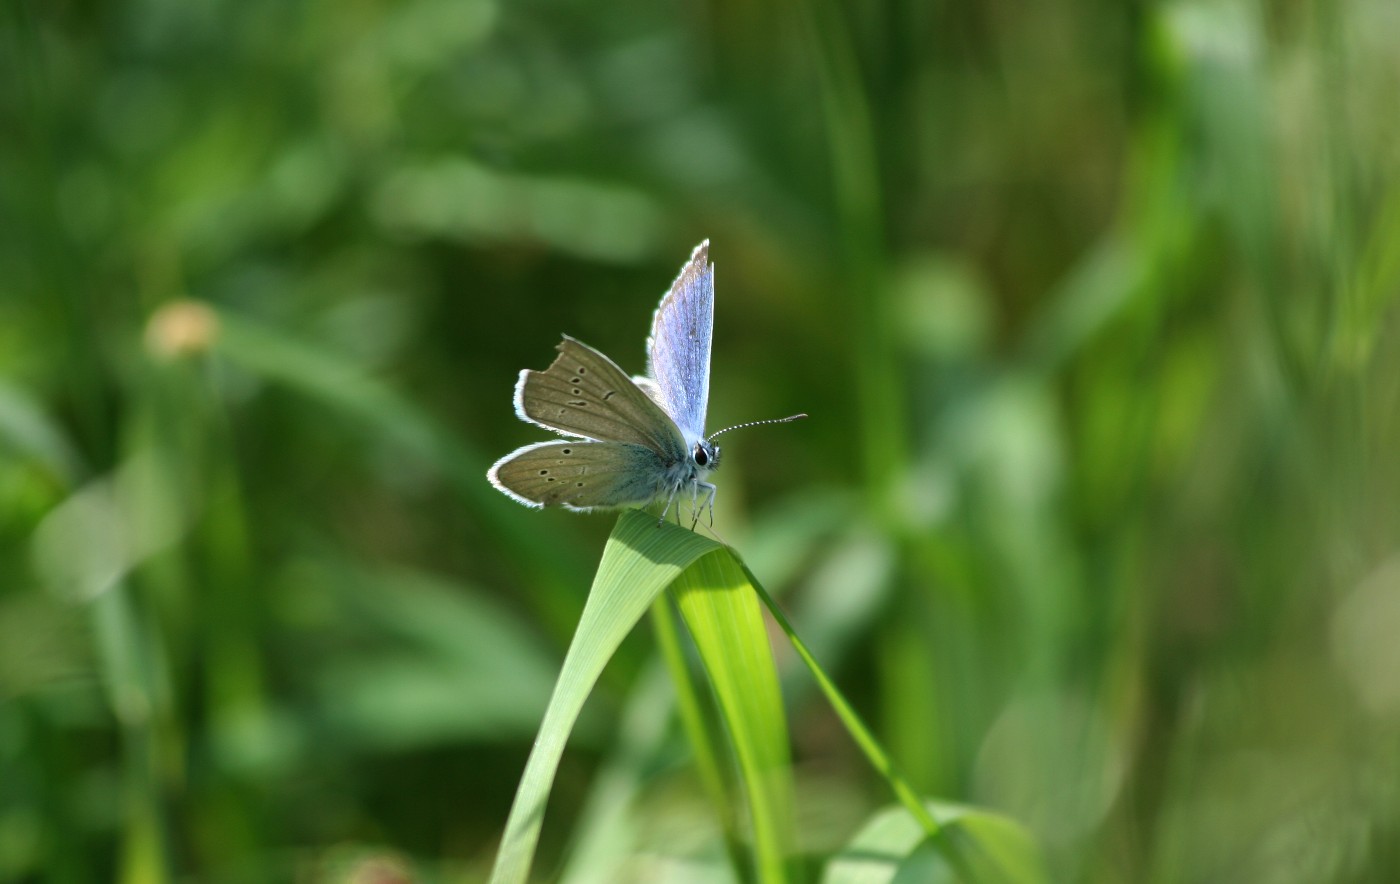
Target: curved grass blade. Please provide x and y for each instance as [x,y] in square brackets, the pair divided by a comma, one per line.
[704,748]
[34,435]
[978,848]
[608,828]
[640,560]
[974,845]
[721,611]
[874,752]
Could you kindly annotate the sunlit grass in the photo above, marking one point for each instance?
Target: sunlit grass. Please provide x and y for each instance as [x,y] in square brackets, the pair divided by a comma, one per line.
[1094,524]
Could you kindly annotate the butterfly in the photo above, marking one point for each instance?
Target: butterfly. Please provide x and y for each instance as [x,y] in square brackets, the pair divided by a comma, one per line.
[632,440]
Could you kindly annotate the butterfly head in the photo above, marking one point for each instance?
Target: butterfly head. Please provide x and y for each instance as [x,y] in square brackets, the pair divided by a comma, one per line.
[706,455]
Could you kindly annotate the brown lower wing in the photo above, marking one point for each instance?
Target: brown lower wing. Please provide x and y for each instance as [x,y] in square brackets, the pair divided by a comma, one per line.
[581,475]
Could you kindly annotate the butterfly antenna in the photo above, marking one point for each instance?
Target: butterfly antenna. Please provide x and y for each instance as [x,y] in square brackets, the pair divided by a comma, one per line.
[777,420]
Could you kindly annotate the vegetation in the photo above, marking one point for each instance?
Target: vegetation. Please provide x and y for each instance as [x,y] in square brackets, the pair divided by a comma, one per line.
[1095,523]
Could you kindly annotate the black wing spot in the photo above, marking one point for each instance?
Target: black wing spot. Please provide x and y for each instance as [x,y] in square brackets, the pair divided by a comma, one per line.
[544,472]
[550,479]
[562,411]
[582,370]
[577,403]
[580,485]
[576,381]
[567,451]
[577,391]
[608,395]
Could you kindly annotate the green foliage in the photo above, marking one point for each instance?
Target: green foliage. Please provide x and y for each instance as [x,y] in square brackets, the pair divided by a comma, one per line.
[641,559]
[974,845]
[1093,306]
[718,599]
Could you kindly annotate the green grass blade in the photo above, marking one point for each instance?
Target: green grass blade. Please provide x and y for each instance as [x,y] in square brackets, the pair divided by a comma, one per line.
[609,822]
[705,752]
[934,835]
[640,560]
[877,756]
[976,846]
[33,434]
[722,613]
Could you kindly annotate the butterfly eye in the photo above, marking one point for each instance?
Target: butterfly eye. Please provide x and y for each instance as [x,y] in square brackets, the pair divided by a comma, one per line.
[701,457]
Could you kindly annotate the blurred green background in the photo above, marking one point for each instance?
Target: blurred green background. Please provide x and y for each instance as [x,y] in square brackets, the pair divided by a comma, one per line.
[1097,516]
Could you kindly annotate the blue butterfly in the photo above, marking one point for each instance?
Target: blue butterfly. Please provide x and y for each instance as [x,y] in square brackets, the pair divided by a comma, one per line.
[631,440]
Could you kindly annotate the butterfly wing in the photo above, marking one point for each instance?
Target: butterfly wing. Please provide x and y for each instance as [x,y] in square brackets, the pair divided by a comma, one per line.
[678,352]
[581,475]
[583,393]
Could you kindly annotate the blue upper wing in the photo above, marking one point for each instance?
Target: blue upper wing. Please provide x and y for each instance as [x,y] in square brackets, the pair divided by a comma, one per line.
[678,351]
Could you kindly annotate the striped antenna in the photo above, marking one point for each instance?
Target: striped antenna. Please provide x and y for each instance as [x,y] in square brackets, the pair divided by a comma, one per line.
[776,420]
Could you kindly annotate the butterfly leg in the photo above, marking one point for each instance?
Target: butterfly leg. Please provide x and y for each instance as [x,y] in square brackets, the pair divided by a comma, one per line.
[708,504]
[667,508]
